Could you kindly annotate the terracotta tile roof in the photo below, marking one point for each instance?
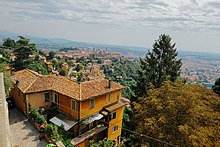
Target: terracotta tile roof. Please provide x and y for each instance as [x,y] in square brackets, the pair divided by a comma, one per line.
[98,87]
[32,82]
[26,78]
[115,106]
[42,83]
[67,87]
[126,101]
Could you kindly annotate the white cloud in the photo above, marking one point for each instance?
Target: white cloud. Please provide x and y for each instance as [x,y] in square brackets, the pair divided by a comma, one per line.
[171,14]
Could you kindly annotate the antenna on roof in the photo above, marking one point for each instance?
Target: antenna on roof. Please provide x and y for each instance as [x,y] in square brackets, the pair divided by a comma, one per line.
[80,91]
[110,83]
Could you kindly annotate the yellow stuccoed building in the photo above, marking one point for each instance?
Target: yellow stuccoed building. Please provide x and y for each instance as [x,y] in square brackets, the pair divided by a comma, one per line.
[90,110]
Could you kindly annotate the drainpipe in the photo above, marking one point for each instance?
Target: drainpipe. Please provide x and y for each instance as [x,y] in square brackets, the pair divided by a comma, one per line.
[110,83]
[80,93]
[79,133]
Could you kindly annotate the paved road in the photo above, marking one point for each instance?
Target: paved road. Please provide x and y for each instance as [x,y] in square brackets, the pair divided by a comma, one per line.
[23,134]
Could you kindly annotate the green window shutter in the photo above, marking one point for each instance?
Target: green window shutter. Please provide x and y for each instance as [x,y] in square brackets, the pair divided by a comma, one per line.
[47,96]
[56,99]
[73,105]
[92,103]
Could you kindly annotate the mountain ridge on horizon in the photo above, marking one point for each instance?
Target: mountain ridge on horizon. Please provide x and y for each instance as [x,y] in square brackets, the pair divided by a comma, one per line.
[58,43]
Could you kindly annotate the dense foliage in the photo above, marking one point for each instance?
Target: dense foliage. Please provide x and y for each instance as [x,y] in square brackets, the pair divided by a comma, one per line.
[24,52]
[102,143]
[55,132]
[123,72]
[8,43]
[7,80]
[184,115]
[159,65]
[37,117]
[216,86]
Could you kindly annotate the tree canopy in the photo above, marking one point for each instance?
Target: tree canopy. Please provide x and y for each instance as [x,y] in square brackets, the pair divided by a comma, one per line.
[159,65]
[51,55]
[7,80]
[102,143]
[8,43]
[216,86]
[181,114]
[23,52]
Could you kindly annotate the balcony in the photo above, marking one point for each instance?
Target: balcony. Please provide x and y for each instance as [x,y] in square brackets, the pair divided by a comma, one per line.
[96,134]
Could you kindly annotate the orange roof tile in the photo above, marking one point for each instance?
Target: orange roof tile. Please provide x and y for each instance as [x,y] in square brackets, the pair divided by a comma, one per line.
[26,78]
[32,82]
[115,106]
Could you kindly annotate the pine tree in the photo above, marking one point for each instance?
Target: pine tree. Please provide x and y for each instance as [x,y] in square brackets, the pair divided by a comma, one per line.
[216,86]
[159,65]
[24,52]
[8,43]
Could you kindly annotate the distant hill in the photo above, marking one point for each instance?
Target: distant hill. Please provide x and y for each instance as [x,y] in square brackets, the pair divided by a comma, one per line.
[199,55]
[58,43]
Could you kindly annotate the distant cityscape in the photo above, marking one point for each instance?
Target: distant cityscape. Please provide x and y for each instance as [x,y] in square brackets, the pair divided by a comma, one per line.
[200,71]
[196,67]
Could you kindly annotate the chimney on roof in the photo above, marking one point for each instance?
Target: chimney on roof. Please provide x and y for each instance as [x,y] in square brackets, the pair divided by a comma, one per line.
[110,83]
[17,83]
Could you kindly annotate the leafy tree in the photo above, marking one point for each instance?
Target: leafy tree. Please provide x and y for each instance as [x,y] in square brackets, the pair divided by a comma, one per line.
[63,71]
[5,56]
[8,43]
[81,60]
[24,52]
[102,143]
[51,55]
[78,67]
[159,65]
[42,53]
[80,78]
[181,114]
[56,65]
[127,115]
[69,62]
[7,80]
[216,86]
[38,67]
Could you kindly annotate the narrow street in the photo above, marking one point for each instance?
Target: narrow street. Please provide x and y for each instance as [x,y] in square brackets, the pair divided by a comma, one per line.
[23,134]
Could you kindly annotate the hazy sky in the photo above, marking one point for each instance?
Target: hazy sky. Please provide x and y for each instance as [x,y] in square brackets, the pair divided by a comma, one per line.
[193,24]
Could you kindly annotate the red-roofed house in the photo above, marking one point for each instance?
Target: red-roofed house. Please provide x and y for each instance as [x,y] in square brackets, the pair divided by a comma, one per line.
[90,110]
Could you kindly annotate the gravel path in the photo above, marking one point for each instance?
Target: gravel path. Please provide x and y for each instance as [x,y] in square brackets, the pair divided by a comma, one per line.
[23,134]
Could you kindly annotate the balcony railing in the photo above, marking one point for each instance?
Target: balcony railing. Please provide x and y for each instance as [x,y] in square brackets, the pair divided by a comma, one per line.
[100,130]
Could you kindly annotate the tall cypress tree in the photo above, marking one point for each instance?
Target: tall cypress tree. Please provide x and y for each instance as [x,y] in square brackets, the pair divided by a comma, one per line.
[159,65]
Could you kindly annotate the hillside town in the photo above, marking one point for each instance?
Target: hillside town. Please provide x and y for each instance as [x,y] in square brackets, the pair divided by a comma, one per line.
[94,97]
[69,90]
[200,71]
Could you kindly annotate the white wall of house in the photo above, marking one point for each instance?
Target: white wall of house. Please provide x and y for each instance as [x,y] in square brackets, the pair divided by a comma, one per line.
[4,121]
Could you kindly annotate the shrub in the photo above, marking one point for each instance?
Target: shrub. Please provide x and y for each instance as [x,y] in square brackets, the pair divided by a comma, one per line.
[49,130]
[56,136]
[67,143]
[65,135]
[33,114]
[52,132]
[41,119]
[37,117]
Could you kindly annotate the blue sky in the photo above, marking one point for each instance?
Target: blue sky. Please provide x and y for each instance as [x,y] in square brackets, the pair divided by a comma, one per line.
[193,24]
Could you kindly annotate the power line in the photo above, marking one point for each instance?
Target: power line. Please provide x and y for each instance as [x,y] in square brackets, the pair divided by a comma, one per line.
[149,137]
[134,132]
